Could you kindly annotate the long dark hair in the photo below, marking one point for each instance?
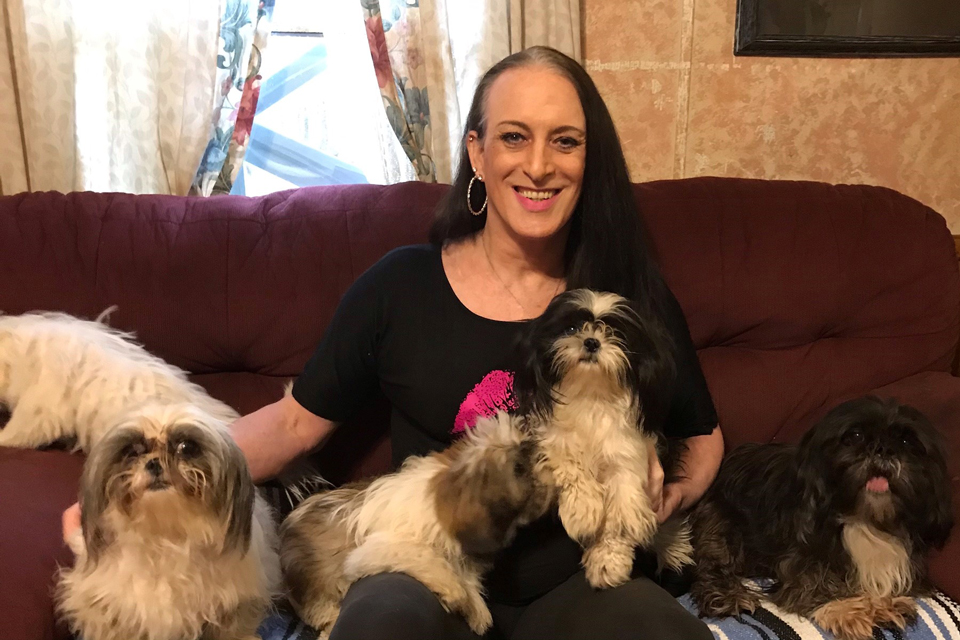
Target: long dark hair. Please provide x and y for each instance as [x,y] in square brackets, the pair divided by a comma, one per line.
[607,249]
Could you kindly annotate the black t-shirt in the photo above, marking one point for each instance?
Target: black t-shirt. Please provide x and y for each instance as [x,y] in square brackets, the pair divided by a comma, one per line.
[400,328]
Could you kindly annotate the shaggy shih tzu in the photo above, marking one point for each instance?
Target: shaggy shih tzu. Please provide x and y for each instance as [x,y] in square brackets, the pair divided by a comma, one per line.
[175,542]
[67,378]
[591,390]
[841,523]
[439,519]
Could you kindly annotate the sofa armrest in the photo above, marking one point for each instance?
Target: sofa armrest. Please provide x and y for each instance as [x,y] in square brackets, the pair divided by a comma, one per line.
[937,395]
[35,488]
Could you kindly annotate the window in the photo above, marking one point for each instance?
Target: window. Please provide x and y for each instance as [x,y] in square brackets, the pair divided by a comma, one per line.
[317,122]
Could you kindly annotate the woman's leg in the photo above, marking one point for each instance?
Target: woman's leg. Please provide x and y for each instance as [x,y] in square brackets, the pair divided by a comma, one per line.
[394,606]
[637,610]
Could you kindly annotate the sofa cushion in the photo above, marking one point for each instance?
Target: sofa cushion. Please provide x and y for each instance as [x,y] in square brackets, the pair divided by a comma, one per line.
[35,488]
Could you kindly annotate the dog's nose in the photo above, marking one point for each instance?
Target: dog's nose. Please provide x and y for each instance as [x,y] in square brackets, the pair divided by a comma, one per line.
[592,345]
[154,468]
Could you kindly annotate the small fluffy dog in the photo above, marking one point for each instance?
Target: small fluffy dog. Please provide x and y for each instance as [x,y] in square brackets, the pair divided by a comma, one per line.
[175,543]
[841,523]
[64,378]
[439,519]
[592,375]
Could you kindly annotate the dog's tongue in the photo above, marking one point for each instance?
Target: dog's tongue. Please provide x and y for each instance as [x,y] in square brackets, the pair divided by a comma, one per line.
[878,484]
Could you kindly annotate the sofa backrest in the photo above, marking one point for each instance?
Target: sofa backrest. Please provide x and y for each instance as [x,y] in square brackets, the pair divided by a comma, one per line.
[800,295]
[797,294]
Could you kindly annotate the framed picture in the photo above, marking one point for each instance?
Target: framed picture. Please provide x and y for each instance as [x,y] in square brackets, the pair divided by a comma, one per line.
[848,28]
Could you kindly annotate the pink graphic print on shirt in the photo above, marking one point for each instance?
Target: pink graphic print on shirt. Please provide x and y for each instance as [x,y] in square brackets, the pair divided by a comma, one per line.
[492,394]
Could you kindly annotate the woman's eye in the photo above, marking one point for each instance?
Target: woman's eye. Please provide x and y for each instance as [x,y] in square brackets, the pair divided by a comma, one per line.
[512,137]
[568,144]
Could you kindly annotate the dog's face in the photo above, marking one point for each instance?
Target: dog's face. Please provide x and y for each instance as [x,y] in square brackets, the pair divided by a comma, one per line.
[590,343]
[490,487]
[880,462]
[167,470]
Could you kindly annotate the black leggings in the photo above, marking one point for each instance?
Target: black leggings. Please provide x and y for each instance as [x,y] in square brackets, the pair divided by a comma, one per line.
[394,606]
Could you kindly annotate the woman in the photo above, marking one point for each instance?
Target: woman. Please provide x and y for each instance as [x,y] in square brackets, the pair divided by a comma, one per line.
[542,202]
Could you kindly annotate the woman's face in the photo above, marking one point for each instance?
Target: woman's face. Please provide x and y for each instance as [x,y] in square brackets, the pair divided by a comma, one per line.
[532,155]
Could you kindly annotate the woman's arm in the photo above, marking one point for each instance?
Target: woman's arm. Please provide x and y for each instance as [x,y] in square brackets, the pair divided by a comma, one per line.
[277,434]
[700,463]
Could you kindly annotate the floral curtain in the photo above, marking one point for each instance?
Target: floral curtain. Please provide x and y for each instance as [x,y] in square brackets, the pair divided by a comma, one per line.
[394,32]
[244,27]
[429,55]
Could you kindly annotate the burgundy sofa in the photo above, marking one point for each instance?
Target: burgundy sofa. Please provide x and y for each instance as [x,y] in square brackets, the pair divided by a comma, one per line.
[798,295]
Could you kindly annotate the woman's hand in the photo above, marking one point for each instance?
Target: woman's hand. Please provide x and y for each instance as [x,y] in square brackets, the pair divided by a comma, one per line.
[655,489]
[71,521]
[666,499]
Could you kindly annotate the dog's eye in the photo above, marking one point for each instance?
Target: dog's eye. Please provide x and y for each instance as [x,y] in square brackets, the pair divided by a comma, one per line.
[909,439]
[188,449]
[853,436]
[572,329]
[133,450]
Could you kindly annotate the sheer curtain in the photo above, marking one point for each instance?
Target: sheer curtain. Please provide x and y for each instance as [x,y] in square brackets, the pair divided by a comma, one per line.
[109,96]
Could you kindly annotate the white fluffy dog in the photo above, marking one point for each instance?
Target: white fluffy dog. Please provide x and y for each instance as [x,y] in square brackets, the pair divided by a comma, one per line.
[589,377]
[175,544]
[438,519]
[63,377]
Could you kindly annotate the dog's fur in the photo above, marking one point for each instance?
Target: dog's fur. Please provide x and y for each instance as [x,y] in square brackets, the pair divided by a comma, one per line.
[175,542]
[64,378]
[591,388]
[439,519]
[848,555]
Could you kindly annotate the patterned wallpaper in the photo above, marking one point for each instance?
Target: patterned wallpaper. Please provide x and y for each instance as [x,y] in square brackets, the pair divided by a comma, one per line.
[685,106]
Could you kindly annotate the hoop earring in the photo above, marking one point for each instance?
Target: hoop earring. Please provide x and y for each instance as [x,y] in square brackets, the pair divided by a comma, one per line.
[469,202]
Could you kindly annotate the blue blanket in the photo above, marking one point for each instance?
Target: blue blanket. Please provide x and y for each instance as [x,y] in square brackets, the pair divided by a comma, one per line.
[938,619]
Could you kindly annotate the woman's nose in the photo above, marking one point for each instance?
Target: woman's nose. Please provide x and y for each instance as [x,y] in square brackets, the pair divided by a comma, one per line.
[539,163]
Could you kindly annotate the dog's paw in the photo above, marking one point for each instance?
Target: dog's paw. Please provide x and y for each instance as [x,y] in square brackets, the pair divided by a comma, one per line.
[581,512]
[899,611]
[847,619]
[320,615]
[672,546]
[608,563]
[478,617]
[722,605]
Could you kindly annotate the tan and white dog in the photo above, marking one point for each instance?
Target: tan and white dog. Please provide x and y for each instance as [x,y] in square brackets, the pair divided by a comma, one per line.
[175,541]
[590,374]
[439,519]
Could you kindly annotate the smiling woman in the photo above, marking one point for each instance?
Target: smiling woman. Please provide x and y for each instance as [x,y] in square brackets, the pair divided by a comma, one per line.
[541,202]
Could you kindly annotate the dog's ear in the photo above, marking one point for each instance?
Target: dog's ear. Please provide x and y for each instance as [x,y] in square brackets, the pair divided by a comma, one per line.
[93,503]
[651,354]
[103,463]
[234,496]
[940,516]
[812,474]
[937,517]
[535,377]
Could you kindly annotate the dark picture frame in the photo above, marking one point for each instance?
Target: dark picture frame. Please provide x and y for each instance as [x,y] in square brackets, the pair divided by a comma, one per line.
[836,28]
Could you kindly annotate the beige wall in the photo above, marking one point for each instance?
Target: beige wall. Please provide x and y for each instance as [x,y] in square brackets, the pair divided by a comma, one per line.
[685,106]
